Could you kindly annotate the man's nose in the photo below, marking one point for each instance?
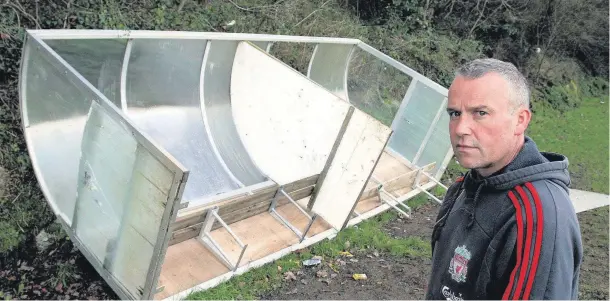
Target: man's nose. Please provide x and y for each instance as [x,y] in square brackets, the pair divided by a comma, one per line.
[462,126]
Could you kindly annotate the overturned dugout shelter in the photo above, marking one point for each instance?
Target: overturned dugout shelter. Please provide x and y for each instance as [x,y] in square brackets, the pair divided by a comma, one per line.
[176,160]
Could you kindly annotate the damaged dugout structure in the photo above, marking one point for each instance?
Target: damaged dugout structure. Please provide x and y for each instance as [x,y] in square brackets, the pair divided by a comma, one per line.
[176,160]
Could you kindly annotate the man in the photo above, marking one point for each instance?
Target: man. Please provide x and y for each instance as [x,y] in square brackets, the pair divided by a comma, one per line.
[507,229]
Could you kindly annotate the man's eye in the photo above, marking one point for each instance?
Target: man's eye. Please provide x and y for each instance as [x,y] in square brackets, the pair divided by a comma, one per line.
[454,114]
[481,113]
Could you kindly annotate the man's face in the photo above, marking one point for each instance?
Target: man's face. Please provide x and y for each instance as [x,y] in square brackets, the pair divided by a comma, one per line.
[485,124]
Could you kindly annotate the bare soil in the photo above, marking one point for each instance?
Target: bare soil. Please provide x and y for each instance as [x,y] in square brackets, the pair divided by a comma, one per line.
[391,277]
[388,276]
[58,273]
[594,227]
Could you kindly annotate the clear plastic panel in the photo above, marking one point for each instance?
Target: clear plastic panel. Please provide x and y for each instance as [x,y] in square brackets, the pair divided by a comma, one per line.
[328,67]
[412,124]
[218,117]
[54,108]
[438,144]
[98,61]
[375,87]
[163,101]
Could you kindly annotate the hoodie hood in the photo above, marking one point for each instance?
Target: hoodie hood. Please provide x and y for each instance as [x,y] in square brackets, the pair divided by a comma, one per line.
[529,165]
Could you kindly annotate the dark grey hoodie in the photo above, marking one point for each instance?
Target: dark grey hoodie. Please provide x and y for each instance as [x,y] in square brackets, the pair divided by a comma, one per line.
[512,235]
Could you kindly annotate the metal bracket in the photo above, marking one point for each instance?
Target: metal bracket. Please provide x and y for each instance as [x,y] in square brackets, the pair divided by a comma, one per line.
[213,246]
[386,197]
[416,184]
[274,213]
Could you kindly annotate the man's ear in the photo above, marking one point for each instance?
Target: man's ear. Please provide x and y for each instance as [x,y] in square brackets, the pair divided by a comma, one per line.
[524,116]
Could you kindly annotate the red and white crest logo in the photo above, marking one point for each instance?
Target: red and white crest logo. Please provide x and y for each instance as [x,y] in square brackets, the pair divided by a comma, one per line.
[458,268]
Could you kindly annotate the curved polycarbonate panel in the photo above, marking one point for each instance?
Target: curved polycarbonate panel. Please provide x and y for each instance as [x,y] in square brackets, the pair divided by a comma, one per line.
[98,61]
[438,144]
[54,107]
[162,86]
[375,87]
[216,80]
[328,67]
[414,119]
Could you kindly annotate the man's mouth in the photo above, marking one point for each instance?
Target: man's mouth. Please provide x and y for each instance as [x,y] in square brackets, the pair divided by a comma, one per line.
[464,147]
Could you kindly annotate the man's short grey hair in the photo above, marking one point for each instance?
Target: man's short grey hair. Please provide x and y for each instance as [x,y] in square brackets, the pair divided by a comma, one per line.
[520,91]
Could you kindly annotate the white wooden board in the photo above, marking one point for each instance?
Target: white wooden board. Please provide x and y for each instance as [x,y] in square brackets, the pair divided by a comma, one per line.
[288,123]
[125,200]
[357,154]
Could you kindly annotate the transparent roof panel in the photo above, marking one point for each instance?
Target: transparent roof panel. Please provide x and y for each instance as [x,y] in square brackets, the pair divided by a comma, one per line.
[375,87]
[98,61]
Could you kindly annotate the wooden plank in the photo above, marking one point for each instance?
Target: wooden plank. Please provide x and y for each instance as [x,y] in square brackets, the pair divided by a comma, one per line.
[358,153]
[287,122]
[191,230]
[239,202]
[188,263]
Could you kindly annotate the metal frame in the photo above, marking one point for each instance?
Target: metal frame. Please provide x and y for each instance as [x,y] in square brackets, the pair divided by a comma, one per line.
[279,217]
[124,69]
[393,201]
[206,238]
[417,186]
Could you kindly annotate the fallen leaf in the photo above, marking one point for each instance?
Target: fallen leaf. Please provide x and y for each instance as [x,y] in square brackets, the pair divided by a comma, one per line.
[376,254]
[279,268]
[303,281]
[292,292]
[346,254]
[353,260]
[359,276]
[347,245]
[289,276]
[333,275]
[299,273]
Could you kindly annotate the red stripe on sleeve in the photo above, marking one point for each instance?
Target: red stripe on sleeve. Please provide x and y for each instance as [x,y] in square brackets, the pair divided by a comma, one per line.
[539,222]
[518,214]
[529,217]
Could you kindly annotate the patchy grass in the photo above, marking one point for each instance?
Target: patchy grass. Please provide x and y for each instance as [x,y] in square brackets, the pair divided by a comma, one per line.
[365,236]
[581,135]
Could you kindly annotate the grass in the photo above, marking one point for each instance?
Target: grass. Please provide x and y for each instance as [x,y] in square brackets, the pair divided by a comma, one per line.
[581,135]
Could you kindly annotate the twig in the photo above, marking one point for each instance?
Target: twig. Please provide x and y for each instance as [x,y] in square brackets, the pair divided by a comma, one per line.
[311,14]
[67,14]
[18,195]
[22,10]
[253,9]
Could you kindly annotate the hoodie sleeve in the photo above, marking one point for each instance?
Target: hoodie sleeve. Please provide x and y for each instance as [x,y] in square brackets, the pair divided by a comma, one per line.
[539,247]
